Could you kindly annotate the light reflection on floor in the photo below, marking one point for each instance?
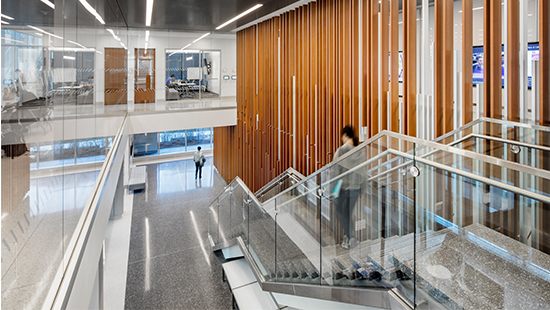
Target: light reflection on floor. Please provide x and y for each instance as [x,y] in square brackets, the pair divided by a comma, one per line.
[179,176]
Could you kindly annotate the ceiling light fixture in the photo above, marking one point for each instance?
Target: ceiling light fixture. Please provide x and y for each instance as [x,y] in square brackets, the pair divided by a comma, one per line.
[38,34]
[43,31]
[7,17]
[114,35]
[257,6]
[48,3]
[75,43]
[4,22]
[92,11]
[149,12]
[202,37]
[189,58]
[181,50]
[147,36]
[69,57]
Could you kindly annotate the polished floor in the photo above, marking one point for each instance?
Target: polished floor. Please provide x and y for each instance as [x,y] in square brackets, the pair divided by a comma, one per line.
[170,262]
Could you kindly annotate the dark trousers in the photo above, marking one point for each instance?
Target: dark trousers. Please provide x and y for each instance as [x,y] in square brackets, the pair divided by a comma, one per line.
[198,170]
[344,208]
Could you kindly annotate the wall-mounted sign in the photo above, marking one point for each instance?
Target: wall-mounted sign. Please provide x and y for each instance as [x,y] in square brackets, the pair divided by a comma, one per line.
[233,77]
[226,77]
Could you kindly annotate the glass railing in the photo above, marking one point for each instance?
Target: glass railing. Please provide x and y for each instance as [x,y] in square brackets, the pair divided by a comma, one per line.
[443,228]
[512,141]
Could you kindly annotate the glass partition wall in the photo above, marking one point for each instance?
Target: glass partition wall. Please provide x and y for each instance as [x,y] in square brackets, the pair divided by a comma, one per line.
[53,77]
[196,74]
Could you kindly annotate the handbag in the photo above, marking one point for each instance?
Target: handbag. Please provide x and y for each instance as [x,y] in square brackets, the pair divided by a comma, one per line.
[203,160]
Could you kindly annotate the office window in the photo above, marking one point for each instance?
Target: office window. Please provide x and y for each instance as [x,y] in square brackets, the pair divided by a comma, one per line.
[199,137]
[92,150]
[172,142]
[56,154]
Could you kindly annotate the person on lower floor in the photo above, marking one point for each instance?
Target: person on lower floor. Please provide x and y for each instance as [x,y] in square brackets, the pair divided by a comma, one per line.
[199,160]
[347,189]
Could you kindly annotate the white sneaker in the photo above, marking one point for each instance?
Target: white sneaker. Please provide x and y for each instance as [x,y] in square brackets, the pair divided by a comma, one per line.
[345,243]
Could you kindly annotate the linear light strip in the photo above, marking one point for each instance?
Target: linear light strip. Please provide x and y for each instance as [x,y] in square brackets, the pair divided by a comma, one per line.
[92,11]
[4,22]
[7,17]
[202,37]
[43,31]
[147,36]
[69,57]
[149,12]
[48,3]
[257,6]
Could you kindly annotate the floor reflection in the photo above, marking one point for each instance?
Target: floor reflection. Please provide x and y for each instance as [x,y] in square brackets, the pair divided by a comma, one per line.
[179,176]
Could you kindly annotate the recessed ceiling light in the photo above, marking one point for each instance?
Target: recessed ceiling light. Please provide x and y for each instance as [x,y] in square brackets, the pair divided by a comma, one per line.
[257,6]
[149,12]
[69,57]
[43,31]
[7,17]
[48,3]
[92,11]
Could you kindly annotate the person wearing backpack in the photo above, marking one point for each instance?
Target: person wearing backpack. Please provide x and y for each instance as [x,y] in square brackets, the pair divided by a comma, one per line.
[199,160]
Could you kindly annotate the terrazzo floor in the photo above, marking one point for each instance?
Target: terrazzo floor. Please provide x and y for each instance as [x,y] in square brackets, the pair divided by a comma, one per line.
[170,262]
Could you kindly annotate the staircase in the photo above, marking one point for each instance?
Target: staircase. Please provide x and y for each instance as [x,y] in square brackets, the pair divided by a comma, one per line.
[424,232]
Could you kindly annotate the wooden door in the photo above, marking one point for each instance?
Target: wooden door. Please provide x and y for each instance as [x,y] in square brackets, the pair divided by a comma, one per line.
[145,76]
[116,91]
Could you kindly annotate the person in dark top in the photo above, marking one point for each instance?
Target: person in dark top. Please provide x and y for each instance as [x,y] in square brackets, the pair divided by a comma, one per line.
[348,190]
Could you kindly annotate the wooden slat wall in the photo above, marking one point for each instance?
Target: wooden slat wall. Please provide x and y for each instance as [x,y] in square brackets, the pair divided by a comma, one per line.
[320,47]
[331,48]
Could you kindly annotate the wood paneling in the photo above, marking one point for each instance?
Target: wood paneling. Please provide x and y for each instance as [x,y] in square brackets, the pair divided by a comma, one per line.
[320,49]
[116,91]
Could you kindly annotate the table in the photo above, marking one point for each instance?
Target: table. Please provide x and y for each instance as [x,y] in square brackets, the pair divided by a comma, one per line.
[185,88]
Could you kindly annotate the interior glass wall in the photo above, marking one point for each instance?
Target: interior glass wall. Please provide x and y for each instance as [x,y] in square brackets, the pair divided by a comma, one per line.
[53,117]
[194,74]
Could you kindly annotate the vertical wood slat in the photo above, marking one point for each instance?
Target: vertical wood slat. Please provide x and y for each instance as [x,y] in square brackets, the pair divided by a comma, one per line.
[409,66]
[512,54]
[373,107]
[492,42]
[394,66]
[384,62]
[467,56]
[443,55]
